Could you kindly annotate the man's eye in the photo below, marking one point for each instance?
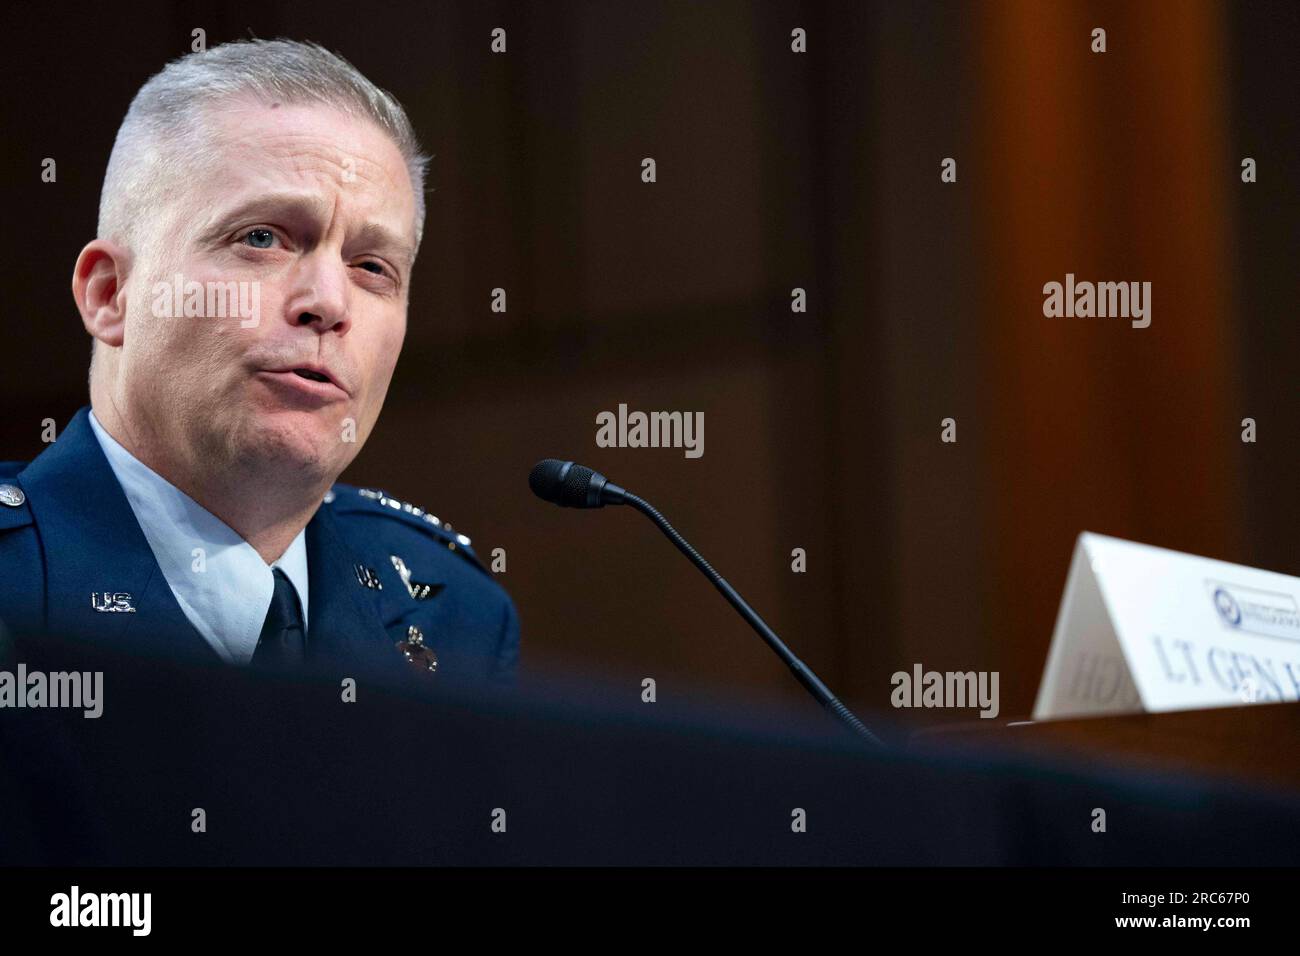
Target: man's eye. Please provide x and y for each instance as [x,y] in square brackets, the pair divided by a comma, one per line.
[374,267]
[259,238]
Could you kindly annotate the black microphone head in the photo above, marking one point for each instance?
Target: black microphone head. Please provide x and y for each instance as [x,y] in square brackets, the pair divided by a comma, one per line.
[567,484]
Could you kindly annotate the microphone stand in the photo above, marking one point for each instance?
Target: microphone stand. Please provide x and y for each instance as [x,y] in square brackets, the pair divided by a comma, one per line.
[612,494]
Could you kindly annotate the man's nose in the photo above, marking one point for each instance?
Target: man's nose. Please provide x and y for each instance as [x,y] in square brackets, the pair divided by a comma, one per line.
[319,296]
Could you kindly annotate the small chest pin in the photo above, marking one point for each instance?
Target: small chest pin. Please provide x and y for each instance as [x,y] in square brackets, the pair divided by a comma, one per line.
[112,602]
[418,654]
[368,577]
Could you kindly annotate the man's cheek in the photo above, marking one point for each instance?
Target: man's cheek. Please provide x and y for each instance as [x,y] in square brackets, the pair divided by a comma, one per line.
[379,389]
[146,339]
[393,348]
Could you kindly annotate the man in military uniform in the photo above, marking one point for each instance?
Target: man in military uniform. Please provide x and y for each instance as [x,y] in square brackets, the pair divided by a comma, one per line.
[247,296]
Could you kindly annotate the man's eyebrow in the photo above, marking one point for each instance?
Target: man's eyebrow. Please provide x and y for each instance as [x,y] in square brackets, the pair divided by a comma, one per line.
[382,240]
[273,204]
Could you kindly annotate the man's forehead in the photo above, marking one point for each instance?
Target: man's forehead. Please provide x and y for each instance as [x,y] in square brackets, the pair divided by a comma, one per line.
[323,155]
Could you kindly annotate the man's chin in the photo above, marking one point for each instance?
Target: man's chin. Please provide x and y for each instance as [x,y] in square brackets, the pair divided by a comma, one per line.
[306,445]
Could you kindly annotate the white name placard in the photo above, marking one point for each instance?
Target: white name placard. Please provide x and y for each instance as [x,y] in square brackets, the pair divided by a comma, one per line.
[1147,629]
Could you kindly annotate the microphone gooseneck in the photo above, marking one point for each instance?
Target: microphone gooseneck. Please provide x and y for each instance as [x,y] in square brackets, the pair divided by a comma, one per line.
[571,485]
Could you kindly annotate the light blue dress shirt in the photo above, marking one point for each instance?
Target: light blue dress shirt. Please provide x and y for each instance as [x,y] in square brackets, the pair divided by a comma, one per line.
[220,581]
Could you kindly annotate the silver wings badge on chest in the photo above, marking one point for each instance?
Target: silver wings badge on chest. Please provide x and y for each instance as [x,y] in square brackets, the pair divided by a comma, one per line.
[418,591]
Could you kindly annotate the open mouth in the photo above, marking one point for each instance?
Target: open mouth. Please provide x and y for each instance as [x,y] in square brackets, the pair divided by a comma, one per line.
[309,374]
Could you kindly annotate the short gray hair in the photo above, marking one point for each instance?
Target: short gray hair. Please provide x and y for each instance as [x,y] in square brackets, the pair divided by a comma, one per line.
[158,139]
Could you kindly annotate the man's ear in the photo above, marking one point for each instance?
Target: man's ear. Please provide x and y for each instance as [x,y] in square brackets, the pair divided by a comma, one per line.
[99,286]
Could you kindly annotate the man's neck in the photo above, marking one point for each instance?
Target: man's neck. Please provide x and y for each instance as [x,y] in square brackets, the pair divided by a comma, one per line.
[268,518]
[269,528]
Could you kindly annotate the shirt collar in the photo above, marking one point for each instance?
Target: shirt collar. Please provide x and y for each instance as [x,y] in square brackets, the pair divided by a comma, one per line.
[221,582]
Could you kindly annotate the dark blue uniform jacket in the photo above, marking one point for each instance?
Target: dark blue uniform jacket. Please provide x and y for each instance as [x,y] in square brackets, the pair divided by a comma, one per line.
[382,573]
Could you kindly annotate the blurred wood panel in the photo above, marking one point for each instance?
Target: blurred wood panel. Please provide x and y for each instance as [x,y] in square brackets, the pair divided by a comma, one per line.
[1111,167]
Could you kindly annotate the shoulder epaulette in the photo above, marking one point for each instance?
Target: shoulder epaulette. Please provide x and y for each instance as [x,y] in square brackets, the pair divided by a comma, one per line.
[346,499]
[14,509]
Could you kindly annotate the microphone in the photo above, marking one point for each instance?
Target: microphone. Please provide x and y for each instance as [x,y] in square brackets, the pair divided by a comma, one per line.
[570,485]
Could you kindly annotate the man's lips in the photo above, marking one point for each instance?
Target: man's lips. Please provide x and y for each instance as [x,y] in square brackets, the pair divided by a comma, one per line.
[313,380]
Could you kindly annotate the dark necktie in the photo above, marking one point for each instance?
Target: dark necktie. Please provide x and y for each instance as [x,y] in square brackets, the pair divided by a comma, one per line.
[282,644]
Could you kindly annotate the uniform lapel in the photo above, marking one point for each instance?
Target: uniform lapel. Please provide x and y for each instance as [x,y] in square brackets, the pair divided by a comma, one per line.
[344,623]
[93,547]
